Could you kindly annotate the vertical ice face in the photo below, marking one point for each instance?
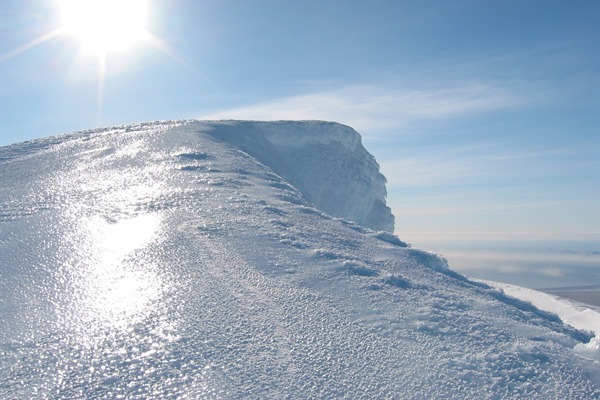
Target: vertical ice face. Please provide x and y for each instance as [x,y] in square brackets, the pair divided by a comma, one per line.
[326,161]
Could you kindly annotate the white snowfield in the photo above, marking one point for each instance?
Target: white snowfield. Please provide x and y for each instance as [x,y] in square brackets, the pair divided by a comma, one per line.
[574,313]
[234,260]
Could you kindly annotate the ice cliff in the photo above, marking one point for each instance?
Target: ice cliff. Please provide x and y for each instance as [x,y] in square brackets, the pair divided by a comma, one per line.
[326,161]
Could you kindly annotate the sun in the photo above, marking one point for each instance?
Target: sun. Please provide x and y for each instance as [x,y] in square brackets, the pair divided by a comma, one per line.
[104,26]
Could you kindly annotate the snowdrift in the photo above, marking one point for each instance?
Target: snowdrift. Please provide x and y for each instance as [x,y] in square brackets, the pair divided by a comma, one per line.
[245,260]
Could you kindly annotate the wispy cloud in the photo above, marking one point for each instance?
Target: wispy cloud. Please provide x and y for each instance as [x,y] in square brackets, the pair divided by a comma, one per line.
[532,269]
[467,208]
[379,107]
[491,158]
[531,155]
[471,237]
[547,258]
[428,170]
[533,259]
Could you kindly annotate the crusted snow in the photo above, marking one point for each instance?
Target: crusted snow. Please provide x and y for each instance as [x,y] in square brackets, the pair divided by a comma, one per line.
[579,315]
[177,260]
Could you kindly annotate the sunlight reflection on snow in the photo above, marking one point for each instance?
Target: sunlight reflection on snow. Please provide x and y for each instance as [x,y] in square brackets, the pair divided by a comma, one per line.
[121,238]
[116,286]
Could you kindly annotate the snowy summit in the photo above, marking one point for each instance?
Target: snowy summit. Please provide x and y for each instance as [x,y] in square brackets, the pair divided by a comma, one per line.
[234,260]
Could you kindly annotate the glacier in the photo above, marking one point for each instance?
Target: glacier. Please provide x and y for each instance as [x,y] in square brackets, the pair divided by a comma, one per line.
[244,259]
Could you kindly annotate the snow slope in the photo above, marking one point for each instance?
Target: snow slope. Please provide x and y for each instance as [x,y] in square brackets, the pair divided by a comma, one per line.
[174,260]
[579,315]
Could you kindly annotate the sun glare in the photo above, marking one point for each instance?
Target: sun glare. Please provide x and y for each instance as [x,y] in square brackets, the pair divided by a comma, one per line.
[104,25]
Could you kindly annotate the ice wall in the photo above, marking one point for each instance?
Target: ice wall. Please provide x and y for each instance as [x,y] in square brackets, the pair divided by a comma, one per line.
[326,161]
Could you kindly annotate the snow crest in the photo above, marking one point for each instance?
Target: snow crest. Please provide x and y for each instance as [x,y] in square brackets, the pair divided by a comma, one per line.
[326,161]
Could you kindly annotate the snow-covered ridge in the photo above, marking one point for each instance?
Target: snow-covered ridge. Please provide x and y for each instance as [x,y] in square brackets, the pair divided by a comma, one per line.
[164,260]
[326,161]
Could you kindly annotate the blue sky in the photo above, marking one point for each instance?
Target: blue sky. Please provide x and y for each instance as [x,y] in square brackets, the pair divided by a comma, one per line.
[484,115]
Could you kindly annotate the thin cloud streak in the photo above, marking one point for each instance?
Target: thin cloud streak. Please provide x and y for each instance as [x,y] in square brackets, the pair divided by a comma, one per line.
[539,268]
[428,171]
[531,155]
[470,208]
[583,259]
[376,107]
[482,236]
[449,164]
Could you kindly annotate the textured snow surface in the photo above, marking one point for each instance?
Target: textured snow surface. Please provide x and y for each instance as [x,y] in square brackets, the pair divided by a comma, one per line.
[574,313]
[172,260]
[581,316]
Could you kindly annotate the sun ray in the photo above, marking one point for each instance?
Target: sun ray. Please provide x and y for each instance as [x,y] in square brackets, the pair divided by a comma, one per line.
[104,27]
[35,42]
[100,89]
[160,45]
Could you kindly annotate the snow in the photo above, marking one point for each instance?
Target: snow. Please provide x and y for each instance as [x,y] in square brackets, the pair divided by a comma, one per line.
[579,315]
[197,259]
[325,161]
[574,313]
